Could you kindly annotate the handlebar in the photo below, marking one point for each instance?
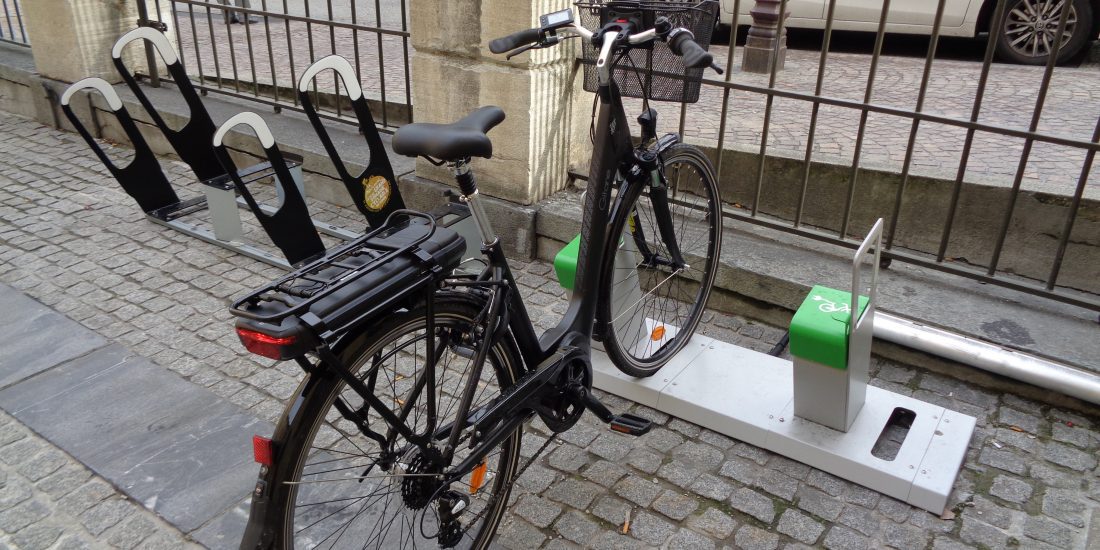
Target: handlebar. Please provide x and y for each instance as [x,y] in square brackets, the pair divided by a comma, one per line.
[683,44]
[680,40]
[515,40]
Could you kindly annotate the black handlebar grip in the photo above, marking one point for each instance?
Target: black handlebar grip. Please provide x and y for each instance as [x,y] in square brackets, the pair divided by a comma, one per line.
[683,44]
[514,40]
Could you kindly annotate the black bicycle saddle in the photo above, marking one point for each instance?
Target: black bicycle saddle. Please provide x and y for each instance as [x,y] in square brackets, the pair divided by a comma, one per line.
[450,142]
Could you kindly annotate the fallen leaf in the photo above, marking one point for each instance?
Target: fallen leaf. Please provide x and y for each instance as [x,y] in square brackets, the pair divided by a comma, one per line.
[1016,429]
[947,515]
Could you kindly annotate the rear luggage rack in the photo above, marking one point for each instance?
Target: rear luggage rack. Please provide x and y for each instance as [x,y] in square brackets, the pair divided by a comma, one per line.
[309,284]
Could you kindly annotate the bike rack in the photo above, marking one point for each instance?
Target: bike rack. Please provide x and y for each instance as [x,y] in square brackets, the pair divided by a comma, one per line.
[374,192]
[145,181]
[193,142]
[788,407]
[201,146]
[289,226]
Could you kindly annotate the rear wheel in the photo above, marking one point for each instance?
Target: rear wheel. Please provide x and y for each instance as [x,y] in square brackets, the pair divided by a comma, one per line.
[336,488]
[650,307]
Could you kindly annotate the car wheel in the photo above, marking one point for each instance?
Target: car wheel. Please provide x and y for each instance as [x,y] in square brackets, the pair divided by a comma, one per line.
[1031,26]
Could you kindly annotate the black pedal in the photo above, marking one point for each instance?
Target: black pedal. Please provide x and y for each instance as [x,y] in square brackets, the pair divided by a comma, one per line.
[630,424]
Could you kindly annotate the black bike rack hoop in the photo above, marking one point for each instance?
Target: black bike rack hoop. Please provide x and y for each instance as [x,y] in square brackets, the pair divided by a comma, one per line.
[192,141]
[374,192]
[142,178]
[289,226]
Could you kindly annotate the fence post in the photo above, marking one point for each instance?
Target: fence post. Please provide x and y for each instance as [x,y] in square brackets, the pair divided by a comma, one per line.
[72,39]
[453,73]
[762,36]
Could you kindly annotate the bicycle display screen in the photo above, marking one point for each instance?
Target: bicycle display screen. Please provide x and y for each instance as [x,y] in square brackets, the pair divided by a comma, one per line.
[556,19]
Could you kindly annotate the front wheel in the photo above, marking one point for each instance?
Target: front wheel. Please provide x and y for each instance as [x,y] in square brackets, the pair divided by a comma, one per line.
[335,487]
[1030,28]
[649,305]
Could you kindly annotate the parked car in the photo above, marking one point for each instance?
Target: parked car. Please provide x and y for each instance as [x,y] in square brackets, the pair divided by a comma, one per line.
[1027,35]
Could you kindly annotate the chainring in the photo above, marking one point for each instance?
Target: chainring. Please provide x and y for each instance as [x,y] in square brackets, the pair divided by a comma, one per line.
[563,406]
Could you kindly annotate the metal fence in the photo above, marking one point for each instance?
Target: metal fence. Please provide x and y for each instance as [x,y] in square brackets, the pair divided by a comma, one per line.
[970,229]
[257,49]
[12,30]
[795,152]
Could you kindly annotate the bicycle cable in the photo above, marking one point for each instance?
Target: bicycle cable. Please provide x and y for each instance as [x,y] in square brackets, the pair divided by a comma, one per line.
[596,98]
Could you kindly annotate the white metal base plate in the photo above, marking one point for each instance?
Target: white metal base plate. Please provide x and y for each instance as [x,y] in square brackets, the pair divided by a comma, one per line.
[748,395]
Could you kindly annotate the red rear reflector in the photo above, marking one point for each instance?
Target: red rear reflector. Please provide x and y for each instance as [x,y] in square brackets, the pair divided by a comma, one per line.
[262,344]
[262,450]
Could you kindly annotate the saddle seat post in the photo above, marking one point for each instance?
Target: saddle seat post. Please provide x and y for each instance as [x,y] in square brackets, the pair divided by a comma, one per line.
[467,185]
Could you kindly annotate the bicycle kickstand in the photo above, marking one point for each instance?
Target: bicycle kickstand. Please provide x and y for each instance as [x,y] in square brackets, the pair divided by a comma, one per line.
[624,423]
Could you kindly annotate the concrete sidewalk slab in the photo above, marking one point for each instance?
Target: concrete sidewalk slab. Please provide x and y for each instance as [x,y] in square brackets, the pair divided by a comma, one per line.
[35,337]
[174,446]
[169,444]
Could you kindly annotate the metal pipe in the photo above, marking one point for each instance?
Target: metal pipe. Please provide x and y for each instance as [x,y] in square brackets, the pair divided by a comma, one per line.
[989,357]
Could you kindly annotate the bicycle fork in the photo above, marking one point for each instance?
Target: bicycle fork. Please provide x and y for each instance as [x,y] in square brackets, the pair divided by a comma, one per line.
[648,170]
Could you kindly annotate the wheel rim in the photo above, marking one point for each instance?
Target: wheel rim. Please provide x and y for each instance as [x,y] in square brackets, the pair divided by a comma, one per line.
[337,506]
[1031,26]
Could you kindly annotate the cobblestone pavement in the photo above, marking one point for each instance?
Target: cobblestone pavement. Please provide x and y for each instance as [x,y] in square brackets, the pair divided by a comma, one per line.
[50,500]
[1071,109]
[71,239]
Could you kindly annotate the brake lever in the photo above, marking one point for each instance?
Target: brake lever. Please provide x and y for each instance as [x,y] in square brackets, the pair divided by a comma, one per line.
[518,51]
[548,41]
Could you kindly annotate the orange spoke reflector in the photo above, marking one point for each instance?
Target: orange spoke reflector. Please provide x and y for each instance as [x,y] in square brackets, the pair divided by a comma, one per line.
[658,333]
[477,477]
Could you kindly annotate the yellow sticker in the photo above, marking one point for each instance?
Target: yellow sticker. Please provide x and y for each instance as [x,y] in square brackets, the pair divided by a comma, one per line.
[376,193]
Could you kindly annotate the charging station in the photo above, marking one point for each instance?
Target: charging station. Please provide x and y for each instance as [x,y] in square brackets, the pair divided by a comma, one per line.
[817,409]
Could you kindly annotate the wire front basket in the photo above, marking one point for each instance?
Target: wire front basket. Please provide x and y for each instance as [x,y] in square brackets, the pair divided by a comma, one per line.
[655,72]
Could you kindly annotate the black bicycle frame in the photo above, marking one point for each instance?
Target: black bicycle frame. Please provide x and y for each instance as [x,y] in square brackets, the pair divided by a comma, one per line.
[613,150]
[613,154]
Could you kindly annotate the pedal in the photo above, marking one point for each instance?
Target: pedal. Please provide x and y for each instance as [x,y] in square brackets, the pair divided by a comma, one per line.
[630,424]
[623,423]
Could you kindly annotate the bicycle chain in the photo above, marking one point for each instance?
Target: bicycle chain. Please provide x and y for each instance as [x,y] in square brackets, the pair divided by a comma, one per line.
[551,439]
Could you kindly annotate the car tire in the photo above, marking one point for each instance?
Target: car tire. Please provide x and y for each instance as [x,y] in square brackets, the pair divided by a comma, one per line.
[1026,30]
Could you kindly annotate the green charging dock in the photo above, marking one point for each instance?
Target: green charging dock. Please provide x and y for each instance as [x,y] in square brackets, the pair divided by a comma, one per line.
[565,263]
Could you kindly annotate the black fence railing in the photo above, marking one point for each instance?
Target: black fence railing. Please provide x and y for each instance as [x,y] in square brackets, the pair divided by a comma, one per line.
[12,30]
[258,49]
[981,169]
[984,188]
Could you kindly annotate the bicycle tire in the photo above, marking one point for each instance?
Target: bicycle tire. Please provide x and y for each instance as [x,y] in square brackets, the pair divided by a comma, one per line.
[642,330]
[295,486]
